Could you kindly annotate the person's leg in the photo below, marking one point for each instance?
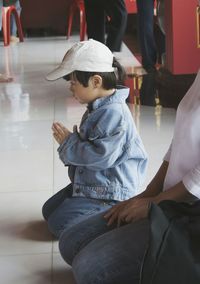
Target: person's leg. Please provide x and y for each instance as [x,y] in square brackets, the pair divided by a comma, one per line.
[74,239]
[116,10]
[95,18]
[53,202]
[1,6]
[114,257]
[3,77]
[148,89]
[13,26]
[73,211]
[146,33]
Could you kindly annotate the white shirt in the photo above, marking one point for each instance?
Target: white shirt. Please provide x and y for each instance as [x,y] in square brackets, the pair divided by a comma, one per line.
[184,152]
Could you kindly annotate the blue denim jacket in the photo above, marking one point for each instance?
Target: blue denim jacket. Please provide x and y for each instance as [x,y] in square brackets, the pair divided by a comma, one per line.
[106,158]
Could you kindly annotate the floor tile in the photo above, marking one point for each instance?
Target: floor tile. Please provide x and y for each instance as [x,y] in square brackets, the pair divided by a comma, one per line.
[26,269]
[62,273]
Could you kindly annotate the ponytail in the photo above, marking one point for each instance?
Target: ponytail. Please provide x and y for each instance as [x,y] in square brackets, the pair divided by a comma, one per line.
[121,73]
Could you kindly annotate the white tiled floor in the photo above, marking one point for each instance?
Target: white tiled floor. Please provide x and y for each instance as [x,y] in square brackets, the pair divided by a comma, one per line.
[30,170]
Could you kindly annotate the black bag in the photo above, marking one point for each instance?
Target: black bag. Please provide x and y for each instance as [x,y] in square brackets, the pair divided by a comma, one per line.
[173,254]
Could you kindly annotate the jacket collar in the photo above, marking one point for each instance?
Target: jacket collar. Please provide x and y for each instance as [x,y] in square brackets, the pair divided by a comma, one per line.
[119,96]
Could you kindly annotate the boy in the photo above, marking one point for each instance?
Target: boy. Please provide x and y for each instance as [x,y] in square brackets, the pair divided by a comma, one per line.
[106,157]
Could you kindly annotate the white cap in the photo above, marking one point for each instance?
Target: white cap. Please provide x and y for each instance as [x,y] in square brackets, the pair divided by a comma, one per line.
[89,55]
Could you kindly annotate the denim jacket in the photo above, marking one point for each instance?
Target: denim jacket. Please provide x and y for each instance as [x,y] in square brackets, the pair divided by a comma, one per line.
[106,158]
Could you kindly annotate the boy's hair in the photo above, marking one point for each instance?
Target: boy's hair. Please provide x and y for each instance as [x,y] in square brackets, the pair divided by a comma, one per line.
[109,79]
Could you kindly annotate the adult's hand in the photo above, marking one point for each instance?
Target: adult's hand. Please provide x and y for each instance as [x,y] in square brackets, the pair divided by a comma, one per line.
[113,213]
[129,211]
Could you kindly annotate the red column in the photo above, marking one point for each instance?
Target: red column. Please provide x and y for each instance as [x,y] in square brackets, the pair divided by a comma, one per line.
[182,20]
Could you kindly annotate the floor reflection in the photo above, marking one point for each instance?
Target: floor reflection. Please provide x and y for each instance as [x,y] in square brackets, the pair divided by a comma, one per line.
[19,102]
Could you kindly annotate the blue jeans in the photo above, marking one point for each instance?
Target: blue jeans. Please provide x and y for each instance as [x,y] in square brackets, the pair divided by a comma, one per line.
[1,5]
[13,26]
[96,13]
[146,32]
[105,255]
[62,211]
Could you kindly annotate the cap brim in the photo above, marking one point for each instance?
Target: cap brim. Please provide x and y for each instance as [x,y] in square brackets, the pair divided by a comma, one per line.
[57,74]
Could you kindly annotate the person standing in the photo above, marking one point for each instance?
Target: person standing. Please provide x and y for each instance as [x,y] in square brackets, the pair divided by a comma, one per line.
[100,11]
[146,33]
[147,41]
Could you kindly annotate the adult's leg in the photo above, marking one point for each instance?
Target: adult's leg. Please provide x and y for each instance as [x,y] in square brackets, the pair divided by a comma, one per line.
[95,18]
[146,33]
[114,257]
[77,237]
[73,211]
[116,10]
[3,77]
[53,202]
[1,6]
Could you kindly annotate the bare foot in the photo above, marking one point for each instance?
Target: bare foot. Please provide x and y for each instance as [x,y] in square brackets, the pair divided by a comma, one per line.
[14,39]
[5,79]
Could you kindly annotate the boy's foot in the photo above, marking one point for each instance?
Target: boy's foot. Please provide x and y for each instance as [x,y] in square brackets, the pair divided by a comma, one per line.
[5,79]
[14,39]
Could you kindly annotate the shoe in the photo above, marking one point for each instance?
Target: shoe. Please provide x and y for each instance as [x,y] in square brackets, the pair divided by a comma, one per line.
[14,39]
[150,69]
[5,79]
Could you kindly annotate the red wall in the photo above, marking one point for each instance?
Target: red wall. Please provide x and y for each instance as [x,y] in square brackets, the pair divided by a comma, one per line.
[182,52]
[45,14]
[53,14]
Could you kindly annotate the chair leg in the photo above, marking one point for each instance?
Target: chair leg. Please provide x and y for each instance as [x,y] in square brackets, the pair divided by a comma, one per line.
[82,21]
[18,23]
[70,22]
[73,8]
[5,28]
[6,15]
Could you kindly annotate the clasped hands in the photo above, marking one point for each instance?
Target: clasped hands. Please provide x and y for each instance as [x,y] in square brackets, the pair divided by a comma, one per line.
[60,132]
[128,211]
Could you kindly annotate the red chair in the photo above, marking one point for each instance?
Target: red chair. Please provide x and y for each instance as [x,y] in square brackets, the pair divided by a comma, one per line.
[131,6]
[77,5]
[6,16]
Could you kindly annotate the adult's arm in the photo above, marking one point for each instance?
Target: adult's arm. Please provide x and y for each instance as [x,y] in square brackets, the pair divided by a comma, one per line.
[152,190]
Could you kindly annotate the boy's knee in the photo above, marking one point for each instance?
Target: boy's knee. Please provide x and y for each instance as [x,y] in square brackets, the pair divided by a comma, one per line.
[54,226]
[45,211]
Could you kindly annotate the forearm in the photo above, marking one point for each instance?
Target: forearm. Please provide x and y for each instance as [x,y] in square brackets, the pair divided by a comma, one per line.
[177,193]
[97,154]
[156,184]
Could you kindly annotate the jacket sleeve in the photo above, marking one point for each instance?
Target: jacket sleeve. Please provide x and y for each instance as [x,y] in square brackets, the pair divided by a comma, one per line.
[192,181]
[104,148]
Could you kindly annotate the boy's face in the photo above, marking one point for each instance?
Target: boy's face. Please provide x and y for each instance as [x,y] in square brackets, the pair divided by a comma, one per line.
[82,94]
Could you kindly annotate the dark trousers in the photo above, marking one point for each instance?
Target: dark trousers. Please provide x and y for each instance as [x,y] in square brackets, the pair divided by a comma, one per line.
[146,32]
[96,17]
